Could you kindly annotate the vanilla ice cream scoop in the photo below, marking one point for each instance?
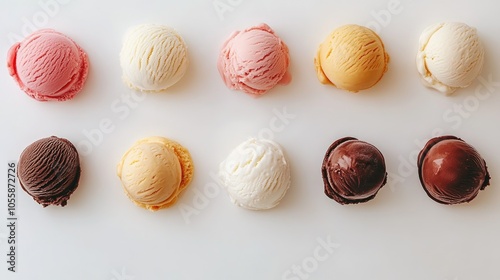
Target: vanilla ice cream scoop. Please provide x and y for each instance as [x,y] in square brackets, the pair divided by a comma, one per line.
[256,174]
[352,58]
[153,58]
[154,171]
[450,56]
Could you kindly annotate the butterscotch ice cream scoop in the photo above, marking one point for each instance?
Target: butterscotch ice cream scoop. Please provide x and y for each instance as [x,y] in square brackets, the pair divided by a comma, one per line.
[352,58]
[154,171]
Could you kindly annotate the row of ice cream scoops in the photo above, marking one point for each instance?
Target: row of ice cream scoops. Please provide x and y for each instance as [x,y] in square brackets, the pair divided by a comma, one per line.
[256,174]
[48,65]
[155,170]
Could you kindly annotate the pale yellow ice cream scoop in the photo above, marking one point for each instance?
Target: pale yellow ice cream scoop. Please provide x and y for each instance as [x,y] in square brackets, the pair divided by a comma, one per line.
[153,58]
[352,58]
[154,171]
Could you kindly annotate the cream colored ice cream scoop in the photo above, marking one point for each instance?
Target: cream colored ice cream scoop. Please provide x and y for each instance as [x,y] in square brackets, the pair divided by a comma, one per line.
[154,171]
[256,174]
[153,58]
[450,56]
[352,57]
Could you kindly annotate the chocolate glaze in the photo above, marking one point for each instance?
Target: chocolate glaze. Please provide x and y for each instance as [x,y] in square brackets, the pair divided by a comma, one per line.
[353,171]
[451,171]
[49,170]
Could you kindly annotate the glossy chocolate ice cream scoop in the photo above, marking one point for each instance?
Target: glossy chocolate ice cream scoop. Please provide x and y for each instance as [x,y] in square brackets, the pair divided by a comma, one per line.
[451,171]
[49,170]
[353,171]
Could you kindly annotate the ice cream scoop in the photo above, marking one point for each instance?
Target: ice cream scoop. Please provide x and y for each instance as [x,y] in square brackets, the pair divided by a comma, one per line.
[256,174]
[49,170]
[254,60]
[450,56]
[48,65]
[154,171]
[451,171]
[153,58]
[352,58]
[353,171]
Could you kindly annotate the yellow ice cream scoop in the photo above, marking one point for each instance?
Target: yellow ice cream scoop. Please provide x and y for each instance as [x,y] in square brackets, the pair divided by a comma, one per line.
[154,171]
[352,58]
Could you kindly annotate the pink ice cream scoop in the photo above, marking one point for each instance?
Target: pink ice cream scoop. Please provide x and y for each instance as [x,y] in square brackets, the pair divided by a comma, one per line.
[48,65]
[254,60]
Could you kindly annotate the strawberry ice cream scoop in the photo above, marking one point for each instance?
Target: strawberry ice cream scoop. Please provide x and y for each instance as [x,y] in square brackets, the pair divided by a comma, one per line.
[254,60]
[48,65]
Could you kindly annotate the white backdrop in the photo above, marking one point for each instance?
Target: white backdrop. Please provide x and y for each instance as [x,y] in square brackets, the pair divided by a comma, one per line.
[401,234]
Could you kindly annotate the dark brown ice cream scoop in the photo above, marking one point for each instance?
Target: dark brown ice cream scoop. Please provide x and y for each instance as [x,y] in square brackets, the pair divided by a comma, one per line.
[353,171]
[451,171]
[49,170]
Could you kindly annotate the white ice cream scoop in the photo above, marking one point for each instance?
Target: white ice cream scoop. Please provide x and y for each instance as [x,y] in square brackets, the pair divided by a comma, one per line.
[256,174]
[450,56]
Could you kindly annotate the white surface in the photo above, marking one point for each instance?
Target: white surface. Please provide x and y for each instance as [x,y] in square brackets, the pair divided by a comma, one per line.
[401,234]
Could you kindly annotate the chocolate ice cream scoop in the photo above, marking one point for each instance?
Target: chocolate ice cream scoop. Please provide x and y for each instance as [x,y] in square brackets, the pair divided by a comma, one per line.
[451,171]
[353,171]
[49,170]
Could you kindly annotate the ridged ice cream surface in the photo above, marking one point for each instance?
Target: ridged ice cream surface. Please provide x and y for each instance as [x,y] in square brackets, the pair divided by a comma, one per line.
[256,174]
[352,58]
[450,56]
[154,171]
[153,57]
[254,60]
[49,170]
[48,65]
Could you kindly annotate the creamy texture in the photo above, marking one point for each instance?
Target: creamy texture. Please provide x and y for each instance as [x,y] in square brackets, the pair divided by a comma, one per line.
[49,170]
[256,174]
[254,60]
[153,58]
[352,58]
[450,56]
[48,65]
[154,171]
